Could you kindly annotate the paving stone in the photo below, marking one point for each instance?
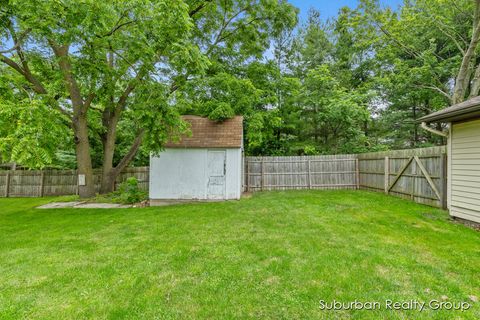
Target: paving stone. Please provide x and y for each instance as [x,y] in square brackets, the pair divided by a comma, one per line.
[53,205]
[82,204]
[93,205]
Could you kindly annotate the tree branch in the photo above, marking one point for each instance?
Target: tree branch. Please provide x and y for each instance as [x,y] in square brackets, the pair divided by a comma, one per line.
[36,85]
[116,28]
[241,26]
[200,7]
[23,60]
[224,26]
[120,105]
[18,41]
[457,44]
[432,87]
[89,100]
[12,64]
[398,42]
[131,153]
[463,76]
[61,52]
[475,86]
[24,70]
[443,28]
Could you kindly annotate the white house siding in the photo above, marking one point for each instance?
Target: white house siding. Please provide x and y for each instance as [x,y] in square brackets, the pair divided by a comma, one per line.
[182,173]
[465,170]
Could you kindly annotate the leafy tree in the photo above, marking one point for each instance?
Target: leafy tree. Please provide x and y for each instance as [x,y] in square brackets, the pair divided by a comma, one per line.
[334,74]
[417,55]
[333,116]
[100,66]
[237,80]
[25,134]
[312,46]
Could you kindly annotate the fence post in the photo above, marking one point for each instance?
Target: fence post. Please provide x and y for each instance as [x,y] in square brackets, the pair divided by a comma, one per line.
[7,185]
[247,174]
[443,180]
[262,179]
[413,177]
[387,174]
[309,177]
[357,172]
[78,186]
[42,183]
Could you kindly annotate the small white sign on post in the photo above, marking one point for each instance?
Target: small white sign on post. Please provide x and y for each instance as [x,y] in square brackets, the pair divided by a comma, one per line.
[81,179]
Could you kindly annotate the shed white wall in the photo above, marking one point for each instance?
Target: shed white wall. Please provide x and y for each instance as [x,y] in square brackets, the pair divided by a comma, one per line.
[182,174]
[464,170]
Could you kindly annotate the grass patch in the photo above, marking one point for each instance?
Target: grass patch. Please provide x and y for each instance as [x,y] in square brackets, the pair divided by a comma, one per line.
[274,256]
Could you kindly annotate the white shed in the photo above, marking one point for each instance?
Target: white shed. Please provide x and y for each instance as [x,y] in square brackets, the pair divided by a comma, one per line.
[206,165]
[463,121]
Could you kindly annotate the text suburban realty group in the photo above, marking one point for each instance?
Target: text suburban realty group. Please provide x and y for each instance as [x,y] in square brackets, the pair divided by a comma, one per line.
[394,305]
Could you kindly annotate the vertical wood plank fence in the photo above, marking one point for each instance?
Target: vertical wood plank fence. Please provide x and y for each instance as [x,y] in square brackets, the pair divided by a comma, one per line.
[416,174]
[301,172]
[39,183]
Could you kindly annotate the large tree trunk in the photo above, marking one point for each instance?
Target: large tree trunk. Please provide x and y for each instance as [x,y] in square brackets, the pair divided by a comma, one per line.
[108,181]
[464,73]
[110,119]
[475,87]
[79,120]
[108,174]
[84,161]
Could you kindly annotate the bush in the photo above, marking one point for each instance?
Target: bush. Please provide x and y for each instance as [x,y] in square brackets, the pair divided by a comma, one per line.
[129,192]
[310,150]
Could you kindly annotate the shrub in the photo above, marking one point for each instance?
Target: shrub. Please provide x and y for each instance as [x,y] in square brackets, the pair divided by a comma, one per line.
[129,192]
[310,150]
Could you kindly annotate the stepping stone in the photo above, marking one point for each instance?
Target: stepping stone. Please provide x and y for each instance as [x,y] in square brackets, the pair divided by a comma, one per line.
[83,205]
[93,205]
[55,205]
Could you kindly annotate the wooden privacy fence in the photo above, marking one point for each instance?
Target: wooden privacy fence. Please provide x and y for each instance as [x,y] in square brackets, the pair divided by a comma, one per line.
[39,183]
[301,172]
[416,174]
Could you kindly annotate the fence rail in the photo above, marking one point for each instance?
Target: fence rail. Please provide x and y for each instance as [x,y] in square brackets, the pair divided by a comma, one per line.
[39,183]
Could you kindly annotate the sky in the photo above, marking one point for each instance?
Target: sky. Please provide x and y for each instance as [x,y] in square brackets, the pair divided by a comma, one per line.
[329,8]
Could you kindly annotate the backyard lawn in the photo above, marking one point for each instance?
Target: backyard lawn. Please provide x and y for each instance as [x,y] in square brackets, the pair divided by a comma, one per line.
[275,255]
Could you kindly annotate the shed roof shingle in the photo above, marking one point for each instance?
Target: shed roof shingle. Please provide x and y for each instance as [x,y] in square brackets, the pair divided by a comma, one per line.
[206,133]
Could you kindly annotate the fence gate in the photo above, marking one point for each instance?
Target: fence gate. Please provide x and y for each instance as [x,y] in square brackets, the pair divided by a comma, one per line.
[417,174]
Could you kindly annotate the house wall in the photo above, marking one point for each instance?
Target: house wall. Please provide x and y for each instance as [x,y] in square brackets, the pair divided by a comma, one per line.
[464,170]
[182,174]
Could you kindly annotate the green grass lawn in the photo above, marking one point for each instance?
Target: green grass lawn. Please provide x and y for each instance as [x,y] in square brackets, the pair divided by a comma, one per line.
[273,256]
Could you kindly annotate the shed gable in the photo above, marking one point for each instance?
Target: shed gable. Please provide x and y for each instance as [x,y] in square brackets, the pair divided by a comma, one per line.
[206,133]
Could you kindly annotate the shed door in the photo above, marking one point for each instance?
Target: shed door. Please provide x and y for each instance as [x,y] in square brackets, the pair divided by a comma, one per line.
[216,174]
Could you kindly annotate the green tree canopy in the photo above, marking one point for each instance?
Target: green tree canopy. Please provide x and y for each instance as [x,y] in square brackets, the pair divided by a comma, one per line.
[95,67]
